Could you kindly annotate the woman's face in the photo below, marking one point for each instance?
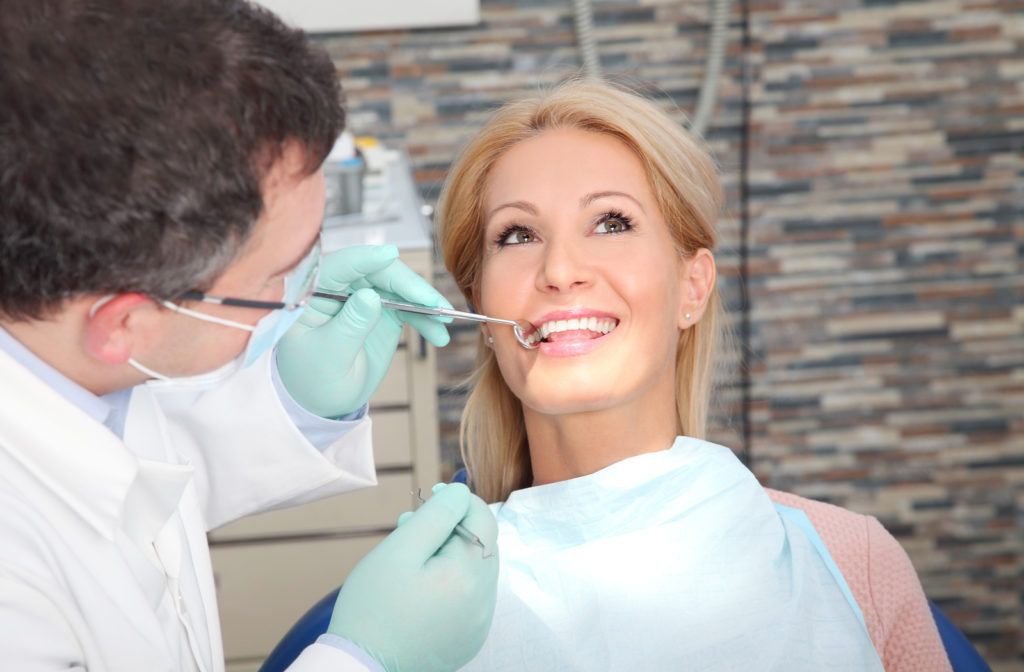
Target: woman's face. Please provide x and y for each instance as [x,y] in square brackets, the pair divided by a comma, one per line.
[576,244]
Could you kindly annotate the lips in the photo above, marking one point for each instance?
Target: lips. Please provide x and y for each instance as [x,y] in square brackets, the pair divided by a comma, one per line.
[572,326]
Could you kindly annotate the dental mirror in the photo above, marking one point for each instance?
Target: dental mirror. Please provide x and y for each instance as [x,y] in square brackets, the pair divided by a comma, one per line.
[521,328]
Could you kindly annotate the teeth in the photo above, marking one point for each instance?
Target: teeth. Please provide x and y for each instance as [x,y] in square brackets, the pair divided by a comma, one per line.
[595,324]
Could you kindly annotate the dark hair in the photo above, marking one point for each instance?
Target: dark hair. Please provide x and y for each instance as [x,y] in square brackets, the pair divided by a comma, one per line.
[134,137]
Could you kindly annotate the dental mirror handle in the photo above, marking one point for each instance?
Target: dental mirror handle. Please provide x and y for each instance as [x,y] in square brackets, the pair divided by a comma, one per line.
[422,310]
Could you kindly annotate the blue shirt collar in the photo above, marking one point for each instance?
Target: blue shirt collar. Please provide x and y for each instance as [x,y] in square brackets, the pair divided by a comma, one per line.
[96,407]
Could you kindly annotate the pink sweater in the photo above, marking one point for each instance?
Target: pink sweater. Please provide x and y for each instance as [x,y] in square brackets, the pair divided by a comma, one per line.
[882,581]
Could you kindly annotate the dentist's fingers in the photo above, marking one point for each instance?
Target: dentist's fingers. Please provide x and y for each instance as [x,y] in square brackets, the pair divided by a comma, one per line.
[431,327]
[429,528]
[401,282]
[341,268]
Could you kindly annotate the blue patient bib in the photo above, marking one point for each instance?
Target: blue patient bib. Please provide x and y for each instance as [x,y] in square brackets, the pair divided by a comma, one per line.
[667,561]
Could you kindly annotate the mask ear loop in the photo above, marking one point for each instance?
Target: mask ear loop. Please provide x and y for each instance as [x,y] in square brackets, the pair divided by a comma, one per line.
[146,370]
[179,309]
[100,303]
[208,318]
[137,365]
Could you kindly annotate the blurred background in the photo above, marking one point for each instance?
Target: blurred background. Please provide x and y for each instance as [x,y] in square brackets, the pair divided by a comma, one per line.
[871,249]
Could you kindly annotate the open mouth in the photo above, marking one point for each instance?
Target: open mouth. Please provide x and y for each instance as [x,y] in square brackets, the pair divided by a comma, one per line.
[575,329]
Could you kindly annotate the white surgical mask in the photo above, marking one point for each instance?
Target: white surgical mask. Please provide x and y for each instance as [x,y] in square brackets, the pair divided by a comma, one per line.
[298,287]
[265,335]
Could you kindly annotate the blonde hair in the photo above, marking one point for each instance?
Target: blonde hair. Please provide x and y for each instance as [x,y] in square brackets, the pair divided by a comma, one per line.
[685,184]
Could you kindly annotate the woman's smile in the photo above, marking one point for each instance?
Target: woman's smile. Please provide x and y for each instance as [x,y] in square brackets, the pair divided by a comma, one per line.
[562,332]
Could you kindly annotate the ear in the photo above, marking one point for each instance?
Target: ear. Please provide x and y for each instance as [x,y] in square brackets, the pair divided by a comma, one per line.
[697,280]
[488,340]
[109,330]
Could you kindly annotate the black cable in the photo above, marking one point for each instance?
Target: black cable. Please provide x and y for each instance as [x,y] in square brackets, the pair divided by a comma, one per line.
[744,236]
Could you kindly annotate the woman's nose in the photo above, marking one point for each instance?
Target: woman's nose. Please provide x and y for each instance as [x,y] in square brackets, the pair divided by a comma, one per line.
[564,267]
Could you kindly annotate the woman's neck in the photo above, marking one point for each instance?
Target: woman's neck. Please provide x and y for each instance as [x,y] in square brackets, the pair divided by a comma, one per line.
[571,445]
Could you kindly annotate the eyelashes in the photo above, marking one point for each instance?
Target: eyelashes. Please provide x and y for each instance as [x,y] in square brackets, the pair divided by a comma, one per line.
[514,234]
[621,222]
[612,222]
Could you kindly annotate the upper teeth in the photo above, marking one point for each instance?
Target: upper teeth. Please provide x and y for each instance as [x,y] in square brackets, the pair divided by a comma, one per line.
[600,325]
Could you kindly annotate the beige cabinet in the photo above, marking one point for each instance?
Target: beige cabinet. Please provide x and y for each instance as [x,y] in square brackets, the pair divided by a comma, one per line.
[271,567]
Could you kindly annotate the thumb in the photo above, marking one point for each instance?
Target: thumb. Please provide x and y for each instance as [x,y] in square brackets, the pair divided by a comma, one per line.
[426,530]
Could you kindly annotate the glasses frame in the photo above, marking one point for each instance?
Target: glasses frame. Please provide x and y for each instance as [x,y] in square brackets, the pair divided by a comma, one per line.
[316,252]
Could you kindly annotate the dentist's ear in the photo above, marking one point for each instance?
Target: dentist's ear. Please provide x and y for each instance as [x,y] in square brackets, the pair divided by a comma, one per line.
[110,329]
[697,280]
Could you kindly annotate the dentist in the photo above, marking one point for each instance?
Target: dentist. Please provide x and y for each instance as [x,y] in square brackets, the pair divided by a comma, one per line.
[162,368]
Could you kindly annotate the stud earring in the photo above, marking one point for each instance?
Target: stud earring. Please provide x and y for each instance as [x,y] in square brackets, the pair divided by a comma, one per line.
[687,316]
[490,339]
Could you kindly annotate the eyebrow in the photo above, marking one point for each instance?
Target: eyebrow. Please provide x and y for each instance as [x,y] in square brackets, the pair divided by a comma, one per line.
[525,206]
[531,209]
[590,198]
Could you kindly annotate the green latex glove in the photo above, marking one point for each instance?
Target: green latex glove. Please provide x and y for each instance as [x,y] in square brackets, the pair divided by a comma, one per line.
[336,355]
[423,599]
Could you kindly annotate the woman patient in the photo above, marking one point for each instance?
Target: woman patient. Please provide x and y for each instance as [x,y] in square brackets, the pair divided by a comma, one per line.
[627,542]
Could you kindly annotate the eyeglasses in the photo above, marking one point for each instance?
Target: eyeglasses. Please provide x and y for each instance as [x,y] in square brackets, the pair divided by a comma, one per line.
[299,285]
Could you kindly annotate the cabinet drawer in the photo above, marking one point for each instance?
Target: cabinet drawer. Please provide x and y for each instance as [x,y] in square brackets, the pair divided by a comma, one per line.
[375,507]
[392,438]
[263,589]
[394,389]
[244,665]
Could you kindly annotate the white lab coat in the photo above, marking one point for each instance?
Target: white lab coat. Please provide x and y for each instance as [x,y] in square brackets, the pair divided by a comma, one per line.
[104,563]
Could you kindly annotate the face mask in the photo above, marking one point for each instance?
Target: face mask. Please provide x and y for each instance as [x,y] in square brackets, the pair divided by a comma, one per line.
[265,334]
[299,284]
[201,380]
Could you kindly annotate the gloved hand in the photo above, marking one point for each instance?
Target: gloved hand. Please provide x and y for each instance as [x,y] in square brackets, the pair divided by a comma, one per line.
[423,599]
[336,355]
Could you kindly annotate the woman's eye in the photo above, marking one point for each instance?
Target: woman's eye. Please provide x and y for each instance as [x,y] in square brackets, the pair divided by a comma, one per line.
[613,224]
[516,237]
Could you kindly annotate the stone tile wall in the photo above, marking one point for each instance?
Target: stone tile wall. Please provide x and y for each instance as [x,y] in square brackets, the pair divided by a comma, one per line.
[873,157]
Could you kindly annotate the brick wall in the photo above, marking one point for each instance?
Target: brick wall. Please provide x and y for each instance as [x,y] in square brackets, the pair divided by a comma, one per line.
[873,158]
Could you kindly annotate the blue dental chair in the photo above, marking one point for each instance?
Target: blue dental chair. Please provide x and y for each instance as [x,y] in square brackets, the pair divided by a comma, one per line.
[963,657]
[311,625]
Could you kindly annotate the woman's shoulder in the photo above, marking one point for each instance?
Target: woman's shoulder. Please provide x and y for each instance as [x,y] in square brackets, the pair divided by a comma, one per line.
[856,542]
[842,530]
[846,535]
[882,580]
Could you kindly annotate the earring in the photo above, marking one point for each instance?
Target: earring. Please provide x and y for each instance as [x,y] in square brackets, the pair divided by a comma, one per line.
[687,316]
[490,339]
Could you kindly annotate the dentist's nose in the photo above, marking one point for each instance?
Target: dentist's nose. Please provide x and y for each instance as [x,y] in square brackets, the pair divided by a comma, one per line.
[564,267]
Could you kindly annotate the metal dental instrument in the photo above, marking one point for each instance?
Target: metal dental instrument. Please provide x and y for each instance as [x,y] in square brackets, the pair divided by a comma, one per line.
[519,327]
[461,530]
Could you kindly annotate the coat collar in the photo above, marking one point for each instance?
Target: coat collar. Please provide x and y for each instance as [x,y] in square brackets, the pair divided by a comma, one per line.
[62,457]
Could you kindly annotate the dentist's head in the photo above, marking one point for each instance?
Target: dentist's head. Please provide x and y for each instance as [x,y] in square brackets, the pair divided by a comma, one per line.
[146,166]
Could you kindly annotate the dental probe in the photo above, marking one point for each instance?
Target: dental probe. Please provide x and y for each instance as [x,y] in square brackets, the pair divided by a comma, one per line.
[519,328]
[461,530]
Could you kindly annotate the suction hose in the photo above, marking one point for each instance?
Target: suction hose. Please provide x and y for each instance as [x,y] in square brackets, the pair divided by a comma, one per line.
[584,16]
[713,68]
[583,13]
